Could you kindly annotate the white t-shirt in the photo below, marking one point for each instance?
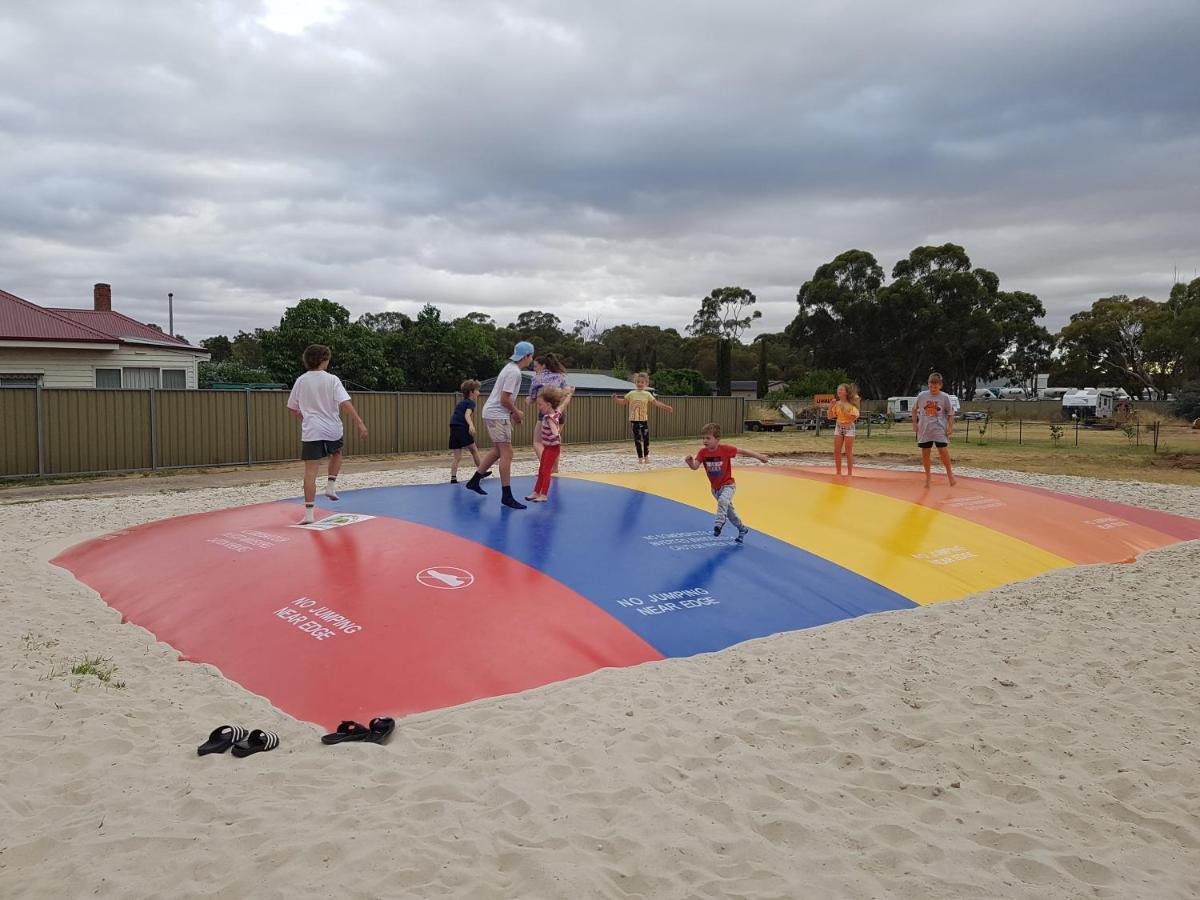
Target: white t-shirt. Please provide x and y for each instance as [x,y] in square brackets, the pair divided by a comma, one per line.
[507,382]
[317,396]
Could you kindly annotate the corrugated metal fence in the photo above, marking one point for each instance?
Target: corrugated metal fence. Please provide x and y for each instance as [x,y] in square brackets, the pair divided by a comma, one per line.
[48,431]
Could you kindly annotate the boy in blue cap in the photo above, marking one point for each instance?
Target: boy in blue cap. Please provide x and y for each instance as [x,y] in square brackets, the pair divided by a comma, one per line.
[500,413]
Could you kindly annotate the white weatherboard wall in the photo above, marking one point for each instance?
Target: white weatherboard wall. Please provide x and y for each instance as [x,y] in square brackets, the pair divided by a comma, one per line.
[77,368]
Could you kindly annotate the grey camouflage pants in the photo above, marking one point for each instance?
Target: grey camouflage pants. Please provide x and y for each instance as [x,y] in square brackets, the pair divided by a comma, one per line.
[725,508]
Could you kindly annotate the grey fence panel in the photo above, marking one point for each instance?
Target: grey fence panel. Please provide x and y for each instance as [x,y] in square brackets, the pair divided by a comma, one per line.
[275,433]
[425,421]
[96,431]
[88,431]
[18,431]
[200,428]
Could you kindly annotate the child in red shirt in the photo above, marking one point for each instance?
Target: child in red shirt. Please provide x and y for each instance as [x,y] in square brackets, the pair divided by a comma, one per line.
[717,460]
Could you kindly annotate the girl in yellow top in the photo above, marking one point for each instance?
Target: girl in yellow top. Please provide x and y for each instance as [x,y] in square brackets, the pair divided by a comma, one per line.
[639,402]
[845,410]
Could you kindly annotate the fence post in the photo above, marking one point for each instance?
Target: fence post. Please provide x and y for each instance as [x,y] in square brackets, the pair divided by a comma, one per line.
[1156,427]
[868,425]
[1020,431]
[968,431]
[249,432]
[1076,432]
[153,430]
[41,427]
[1137,428]
[399,410]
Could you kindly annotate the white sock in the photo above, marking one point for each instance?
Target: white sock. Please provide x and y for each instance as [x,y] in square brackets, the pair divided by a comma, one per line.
[308,514]
[331,488]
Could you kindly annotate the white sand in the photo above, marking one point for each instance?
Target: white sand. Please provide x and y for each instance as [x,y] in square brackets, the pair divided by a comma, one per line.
[1037,741]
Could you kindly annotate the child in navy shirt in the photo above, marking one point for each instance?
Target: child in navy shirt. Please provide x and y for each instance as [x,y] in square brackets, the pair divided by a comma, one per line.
[462,427]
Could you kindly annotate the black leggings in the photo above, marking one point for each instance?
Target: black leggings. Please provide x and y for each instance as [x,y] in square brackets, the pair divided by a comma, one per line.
[641,438]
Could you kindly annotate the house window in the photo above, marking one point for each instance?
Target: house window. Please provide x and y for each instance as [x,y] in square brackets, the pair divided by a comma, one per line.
[174,379]
[19,379]
[140,377]
[108,378]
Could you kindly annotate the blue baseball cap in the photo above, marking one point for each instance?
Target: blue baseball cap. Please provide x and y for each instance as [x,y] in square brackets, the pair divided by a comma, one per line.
[522,350]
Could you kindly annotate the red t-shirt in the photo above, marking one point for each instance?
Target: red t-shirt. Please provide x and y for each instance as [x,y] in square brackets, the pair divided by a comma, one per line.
[718,464]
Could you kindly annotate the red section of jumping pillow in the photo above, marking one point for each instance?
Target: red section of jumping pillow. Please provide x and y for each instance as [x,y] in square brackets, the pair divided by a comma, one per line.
[337,624]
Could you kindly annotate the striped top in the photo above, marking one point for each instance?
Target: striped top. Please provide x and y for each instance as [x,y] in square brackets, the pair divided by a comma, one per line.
[548,429]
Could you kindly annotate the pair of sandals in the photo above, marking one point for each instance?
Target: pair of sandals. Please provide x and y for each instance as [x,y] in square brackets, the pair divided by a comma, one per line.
[241,741]
[376,733]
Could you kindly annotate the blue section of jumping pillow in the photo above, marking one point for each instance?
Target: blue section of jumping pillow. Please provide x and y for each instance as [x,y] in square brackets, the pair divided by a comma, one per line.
[610,544]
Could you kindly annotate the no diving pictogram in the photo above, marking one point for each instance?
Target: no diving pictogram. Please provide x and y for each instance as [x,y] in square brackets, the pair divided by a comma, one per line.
[445,578]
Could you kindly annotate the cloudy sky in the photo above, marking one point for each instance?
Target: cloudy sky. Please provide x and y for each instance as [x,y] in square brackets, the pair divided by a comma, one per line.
[614,160]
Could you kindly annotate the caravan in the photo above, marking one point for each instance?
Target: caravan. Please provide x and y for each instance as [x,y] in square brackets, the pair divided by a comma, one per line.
[1090,405]
[901,408]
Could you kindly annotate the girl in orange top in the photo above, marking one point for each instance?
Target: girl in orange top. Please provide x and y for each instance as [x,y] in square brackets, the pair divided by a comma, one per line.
[845,410]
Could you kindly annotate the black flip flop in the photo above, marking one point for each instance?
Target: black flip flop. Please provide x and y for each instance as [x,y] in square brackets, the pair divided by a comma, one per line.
[258,741]
[381,730]
[222,739]
[347,731]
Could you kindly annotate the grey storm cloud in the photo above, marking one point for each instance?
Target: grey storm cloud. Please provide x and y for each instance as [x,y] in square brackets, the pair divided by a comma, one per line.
[616,160]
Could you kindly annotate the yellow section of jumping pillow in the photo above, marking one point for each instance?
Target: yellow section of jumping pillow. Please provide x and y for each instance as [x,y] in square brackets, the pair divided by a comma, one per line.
[918,552]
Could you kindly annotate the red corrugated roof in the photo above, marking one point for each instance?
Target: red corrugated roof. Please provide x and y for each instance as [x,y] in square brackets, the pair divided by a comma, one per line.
[21,320]
[122,328]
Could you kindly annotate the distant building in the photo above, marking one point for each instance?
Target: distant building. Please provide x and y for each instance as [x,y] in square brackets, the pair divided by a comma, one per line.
[90,348]
[586,384]
[748,389]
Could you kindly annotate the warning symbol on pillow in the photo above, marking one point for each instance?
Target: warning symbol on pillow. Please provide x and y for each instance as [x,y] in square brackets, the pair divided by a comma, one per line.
[446,578]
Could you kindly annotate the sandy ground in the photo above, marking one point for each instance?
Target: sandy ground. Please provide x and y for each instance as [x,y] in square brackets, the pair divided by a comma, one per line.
[1040,740]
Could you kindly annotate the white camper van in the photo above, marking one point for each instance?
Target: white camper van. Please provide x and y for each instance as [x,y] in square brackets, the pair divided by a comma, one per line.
[1095,404]
[1054,393]
[900,408]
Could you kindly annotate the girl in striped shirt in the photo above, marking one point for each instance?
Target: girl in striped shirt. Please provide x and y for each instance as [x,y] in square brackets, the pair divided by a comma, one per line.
[551,403]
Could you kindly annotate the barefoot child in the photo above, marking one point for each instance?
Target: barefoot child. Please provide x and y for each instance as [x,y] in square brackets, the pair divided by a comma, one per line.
[639,402]
[317,400]
[500,413]
[548,371]
[462,427]
[717,459]
[845,410]
[933,423]
[551,403]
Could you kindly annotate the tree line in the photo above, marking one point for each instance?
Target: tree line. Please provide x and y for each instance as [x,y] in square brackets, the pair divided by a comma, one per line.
[936,312]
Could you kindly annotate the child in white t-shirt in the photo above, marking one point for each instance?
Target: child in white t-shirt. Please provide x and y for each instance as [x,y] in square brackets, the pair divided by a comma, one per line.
[317,400]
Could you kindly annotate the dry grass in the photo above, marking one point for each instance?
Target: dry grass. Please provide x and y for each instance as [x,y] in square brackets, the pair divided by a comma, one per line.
[1108,455]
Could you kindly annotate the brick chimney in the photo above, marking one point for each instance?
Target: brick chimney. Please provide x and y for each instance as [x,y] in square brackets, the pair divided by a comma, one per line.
[102,297]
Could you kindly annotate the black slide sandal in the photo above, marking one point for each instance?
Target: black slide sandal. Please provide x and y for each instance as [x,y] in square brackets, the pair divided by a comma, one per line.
[258,741]
[222,739]
[381,730]
[347,731]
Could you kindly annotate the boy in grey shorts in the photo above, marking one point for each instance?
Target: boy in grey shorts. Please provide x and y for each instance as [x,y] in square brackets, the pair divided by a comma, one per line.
[500,413]
[933,423]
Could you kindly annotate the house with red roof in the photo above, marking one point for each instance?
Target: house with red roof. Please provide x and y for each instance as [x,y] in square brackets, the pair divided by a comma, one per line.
[90,348]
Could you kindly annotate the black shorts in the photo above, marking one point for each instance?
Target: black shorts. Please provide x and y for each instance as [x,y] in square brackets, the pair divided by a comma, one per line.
[319,449]
[925,445]
[460,437]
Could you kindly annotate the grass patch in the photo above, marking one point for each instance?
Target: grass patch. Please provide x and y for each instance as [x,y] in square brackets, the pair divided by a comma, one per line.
[102,668]
[1108,455]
